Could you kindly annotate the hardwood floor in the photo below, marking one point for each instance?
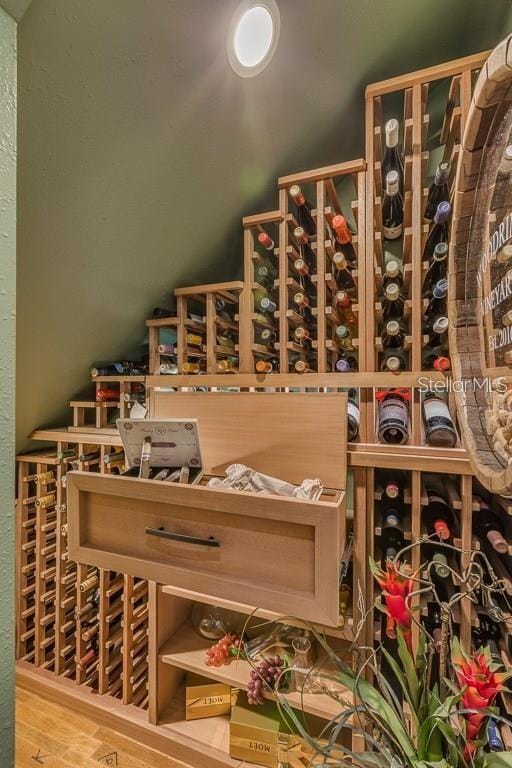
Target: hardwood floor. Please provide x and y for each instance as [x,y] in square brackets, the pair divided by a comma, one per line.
[52,736]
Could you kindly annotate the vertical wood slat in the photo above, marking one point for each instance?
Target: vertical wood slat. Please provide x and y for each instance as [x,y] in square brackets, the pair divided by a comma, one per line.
[103,631]
[127,639]
[181,305]
[246,337]
[416,253]
[364,254]
[416,533]
[283,288]
[466,521]
[368,350]
[321,269]
[211,336]
[40,567]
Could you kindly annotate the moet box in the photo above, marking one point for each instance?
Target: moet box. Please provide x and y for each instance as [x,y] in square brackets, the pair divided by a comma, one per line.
[205,698]
[257,734]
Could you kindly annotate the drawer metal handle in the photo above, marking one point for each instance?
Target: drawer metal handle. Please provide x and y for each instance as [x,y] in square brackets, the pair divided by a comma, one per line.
[163,534]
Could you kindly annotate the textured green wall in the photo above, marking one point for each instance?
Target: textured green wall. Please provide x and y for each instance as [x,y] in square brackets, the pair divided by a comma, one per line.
[7,350]
[140,150]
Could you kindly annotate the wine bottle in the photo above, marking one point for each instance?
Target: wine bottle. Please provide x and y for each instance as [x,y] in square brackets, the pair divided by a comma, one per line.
[393,416]
[224,366]
[302,269]
[344,308]
[439,231]
[438,191]
[393,485]
[440,430]
[438,268]
[343,238]
[393,304]
[125,368]
[437,332]
[304,209]
[393,335]
[112,458]
[392,160]
[345,363]
[437,300]
[437,515]
[266,241]
[169,369]
[305,249]
[189,367]
[167,349]
[353,415]
[301,300]
[46,501]
[265,276]
[45,478]
[435,359]
[267,336]
[302,366]
[392,536]
[392,208]
[302,335]
[267,305]
[392,274]
[343,273]
[267,366]
[105,395]
[90,583]
[487,525]
[394,360]
[90,456]
[435,624]
[160,312]
[194,339]
[343,337]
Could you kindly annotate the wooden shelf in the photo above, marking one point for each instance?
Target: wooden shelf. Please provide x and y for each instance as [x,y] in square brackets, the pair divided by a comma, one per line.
[186,650]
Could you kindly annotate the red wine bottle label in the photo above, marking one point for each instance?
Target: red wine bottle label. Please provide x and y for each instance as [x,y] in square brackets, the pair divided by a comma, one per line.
[266,241]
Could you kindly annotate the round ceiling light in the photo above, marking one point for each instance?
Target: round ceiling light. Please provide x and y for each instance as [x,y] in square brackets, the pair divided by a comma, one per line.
[253,36]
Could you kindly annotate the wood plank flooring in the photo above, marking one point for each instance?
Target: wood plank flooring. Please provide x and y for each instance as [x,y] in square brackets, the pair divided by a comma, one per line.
[52,736]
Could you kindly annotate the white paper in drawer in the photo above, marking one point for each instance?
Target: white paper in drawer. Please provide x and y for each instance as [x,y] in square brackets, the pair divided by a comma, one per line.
[174,442]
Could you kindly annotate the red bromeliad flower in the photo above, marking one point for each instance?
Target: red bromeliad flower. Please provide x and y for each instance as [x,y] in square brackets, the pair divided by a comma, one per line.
[480,684]
[396,587]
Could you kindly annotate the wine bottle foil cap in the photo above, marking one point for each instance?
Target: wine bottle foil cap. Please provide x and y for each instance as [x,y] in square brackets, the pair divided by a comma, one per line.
[339,222]
[300,333]
[266,303]
[392,490]
[441,565]
[392,519]
[392,268]
[299,298]
[440,289]
[504,254]
[300,235]
[342,298]
[393,363]
[340,260]
[299,264]
[442,364]
[300,365]
[261,365]
[440,325]
[266,241]
[296,194]
[442,172]
[442,212]
[442,531]
[263,270]
[342,365]
[508,152]
[392,182]
[391,129]
[497,542]
[393,327]
[342,331]
[440,251]
[392,291]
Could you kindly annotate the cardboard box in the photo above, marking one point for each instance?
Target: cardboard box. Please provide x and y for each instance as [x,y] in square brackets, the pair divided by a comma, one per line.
[206,698]
[257,734]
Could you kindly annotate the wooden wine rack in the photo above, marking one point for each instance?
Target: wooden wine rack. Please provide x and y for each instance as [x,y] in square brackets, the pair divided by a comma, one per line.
[50,631]
[151,668]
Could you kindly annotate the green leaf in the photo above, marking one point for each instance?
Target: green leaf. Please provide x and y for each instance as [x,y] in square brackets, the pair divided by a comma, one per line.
[400,677]
[409,670]
[381,710]
[498,760]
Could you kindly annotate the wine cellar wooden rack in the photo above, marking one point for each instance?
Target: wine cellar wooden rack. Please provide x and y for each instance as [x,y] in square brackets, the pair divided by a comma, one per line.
[134,668]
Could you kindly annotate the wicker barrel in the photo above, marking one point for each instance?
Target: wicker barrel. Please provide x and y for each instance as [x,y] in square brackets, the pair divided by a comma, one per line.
[480,285]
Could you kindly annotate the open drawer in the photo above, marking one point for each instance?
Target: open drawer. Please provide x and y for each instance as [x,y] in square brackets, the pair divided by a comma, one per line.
[277,553]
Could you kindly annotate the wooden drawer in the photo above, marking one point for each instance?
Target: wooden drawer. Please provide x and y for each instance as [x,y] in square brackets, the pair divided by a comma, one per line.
[276,553]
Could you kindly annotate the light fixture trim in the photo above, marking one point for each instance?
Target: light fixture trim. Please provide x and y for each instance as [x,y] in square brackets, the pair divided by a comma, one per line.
[263,52]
